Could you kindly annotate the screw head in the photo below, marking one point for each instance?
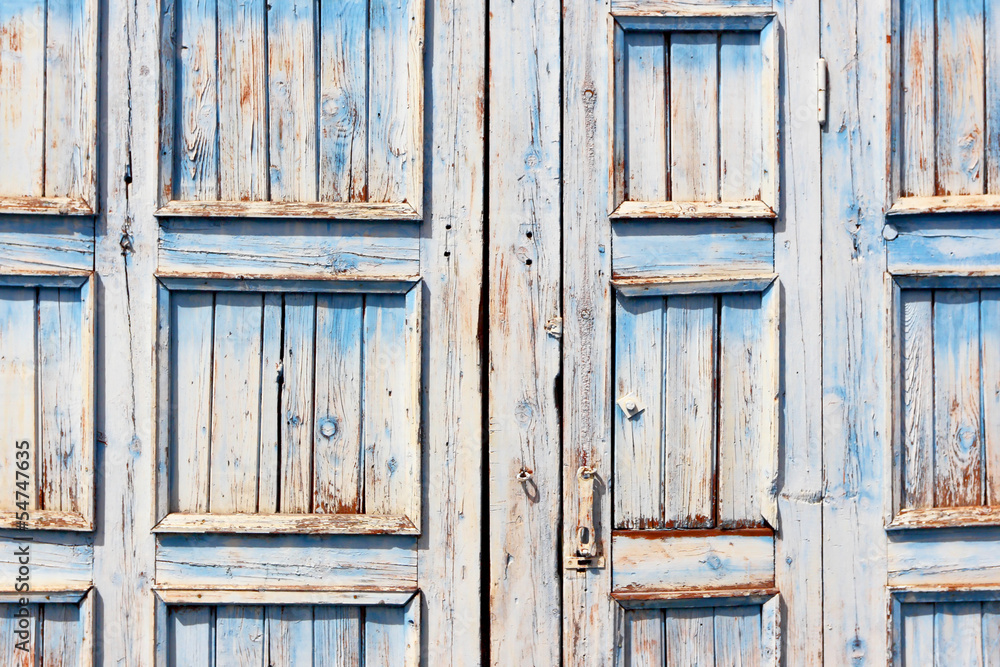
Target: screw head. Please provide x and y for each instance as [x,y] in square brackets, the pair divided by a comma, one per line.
[328,428]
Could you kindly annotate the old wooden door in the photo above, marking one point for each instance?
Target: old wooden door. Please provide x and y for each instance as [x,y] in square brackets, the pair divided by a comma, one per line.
[239,296]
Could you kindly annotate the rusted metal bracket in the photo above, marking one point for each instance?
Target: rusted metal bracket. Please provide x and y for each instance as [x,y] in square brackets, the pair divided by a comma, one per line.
[586,543]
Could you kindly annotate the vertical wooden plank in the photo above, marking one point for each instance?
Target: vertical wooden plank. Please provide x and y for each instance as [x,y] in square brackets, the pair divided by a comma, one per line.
[918,634]
[646,116]
[243,132]
[291,51]
[60,398]
[992,73]
[298,365]
[989,328]
[588,636]
[958,634]
[524,361]
[738,636]
[126,238]
[390,415]
[918,398]
[21,651]
[799,542]
[855,336]
[17,393]
[450,545]
[743,398]
[389,133]
[916,126]
[289,635]
[337,418]
[958,459]
[192,336]
[639,466]
[336,636]
[22,106]
[689,637]
[62,636]
[689,416]
[991,634]
[71,99]
[343,110]
[961,106]
[694,108]
[236,402]
[644,643]
[741,98]
[271,372]
[190,641]
[239,636]
[196,145]
[385,637]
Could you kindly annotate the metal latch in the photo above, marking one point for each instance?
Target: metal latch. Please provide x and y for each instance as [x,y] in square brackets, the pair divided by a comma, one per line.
[586,542]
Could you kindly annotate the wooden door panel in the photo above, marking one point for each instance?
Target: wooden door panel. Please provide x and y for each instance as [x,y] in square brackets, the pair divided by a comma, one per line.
[285,404]
[292,109]
[735,633]
[48,151]
[694,115]
[321,635]
[56,632]
[696,449]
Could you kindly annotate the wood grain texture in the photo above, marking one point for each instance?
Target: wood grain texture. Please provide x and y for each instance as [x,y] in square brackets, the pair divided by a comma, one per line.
[961,107]
[343,101]
[337,451]
[916,143]
[291,99]
[190,636]
[656,249]
[639,466]
[18,370]
[191,345]
[738,638]
[289,635]
[243,129]
[296,412]
[62,636]
[22,109]
[958,459]
[337,636]
[588,632]
[452,264]
[272,422]
[71,62]
[989,350]
[644,644]
[689,412]
[60,245]
[645,116]
[236,402]
[61,396]
[918,398]
[918,634]
[855,433]
[743,402]
[389,130]
[196,145]
[741,106]
[958,634]
[9,627]
[689,637]
[694,122]
[992,74]
[239,636]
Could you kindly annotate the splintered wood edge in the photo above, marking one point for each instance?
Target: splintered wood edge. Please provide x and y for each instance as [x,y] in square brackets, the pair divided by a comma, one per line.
[310,596]
[47,520]
[945,517]
[716,597]
[945,204]
[743,210]
[701,284]
[286,524]
[45,206]
[250,283]
[325,211]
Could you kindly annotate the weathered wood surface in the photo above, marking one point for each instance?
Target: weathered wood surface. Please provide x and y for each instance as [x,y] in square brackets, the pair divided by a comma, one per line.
[656,249]
[292,109]
[524,358]
[962,633]
[238,359]
[855,364]
[588,632]
[665,561]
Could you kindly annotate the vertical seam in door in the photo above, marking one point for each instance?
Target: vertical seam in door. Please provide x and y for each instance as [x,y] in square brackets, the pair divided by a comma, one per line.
[483,336]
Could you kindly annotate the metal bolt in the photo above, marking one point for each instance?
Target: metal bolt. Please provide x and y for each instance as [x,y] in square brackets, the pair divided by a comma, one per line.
[328,428]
